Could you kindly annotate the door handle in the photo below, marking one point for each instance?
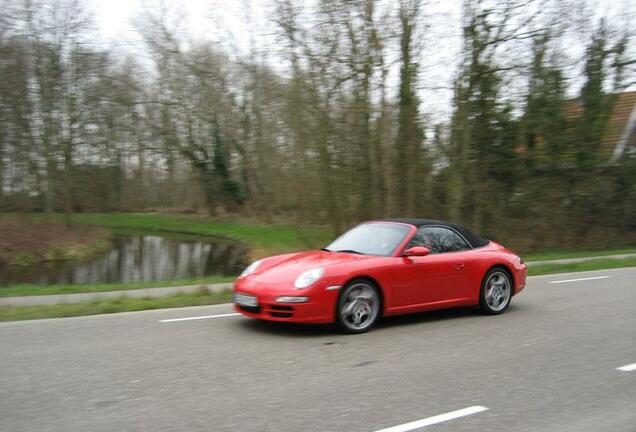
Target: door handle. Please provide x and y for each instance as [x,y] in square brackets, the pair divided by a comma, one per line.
[460,266]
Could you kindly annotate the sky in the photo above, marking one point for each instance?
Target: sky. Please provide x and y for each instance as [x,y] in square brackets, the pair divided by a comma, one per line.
[115,18]
[224,22]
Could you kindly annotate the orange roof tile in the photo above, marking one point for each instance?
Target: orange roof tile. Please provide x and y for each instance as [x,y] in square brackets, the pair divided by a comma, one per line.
[623,107]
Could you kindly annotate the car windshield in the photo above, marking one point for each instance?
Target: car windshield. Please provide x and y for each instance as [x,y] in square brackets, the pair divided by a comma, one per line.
[371,239]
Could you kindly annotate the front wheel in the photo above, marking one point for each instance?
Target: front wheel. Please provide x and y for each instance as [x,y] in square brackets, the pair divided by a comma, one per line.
[358,307]
[496,292]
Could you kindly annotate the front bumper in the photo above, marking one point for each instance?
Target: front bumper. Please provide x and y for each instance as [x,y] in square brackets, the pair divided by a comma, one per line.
[319,309]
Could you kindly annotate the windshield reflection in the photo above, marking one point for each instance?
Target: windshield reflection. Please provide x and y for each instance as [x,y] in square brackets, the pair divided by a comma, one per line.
[376,238]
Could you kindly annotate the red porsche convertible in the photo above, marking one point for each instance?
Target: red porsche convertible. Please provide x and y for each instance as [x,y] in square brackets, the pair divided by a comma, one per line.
[382,268]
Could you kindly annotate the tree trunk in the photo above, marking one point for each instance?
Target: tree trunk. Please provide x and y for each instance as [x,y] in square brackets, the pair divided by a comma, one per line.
[68,183]
[1,168]
[51,175]
[408,138]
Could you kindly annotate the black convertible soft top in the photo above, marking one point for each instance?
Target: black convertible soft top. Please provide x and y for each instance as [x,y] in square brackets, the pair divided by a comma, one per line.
[474,240]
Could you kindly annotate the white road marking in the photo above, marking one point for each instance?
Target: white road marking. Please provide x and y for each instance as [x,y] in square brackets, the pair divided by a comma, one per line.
[627,368]
[434,420]
[198,317]
[579,280]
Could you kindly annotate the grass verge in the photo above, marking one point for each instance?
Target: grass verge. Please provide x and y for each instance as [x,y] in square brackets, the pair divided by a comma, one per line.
[124,304]
[600,264]
[554,255]
[34,290]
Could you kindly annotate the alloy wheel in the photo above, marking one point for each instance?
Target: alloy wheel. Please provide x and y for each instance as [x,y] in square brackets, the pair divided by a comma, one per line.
[498,291]
[359,307]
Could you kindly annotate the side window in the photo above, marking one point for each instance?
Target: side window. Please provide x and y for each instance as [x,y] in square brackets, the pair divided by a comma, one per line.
[438,240]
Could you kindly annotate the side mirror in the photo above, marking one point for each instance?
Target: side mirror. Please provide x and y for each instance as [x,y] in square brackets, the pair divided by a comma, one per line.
[416,251]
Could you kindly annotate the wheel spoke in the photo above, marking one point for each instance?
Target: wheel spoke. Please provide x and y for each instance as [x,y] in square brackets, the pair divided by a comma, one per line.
[365,295]
[352,296]
[349,307]
[490,295]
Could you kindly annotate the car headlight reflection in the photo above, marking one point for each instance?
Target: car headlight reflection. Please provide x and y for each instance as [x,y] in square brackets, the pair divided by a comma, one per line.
[308,278]
[250,268]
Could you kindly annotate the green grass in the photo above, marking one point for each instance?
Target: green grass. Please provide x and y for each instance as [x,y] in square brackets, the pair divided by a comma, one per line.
[600,264]
[124,304]
[553,255]
[33,290]
[260,237]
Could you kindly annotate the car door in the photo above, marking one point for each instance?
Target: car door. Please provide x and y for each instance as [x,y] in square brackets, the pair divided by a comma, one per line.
[436,278]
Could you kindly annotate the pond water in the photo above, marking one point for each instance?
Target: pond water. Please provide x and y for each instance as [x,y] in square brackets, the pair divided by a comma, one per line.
[137,258]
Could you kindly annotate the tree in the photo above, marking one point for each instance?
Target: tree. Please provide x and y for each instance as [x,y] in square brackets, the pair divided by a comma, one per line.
[409,135]
[543,124]
[199,113]
[596,105]
[57,67]
[482,140]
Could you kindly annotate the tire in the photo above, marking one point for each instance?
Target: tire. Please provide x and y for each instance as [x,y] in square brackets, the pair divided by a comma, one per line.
[358,307]
[496,292]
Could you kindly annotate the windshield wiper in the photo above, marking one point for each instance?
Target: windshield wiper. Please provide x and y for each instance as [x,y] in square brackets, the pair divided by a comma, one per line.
[350,251]
[326,250]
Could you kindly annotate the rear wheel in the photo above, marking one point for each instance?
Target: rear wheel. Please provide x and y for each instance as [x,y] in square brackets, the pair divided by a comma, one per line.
[358,306]
[496,292]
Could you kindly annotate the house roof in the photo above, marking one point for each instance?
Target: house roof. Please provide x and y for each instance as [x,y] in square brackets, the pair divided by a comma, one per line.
[620,125]
[619,120]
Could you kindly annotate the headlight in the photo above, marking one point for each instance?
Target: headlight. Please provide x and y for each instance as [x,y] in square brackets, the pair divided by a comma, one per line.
[250,268]
[309,277]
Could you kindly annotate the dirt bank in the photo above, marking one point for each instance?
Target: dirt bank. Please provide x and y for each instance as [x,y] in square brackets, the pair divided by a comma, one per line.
[25,242]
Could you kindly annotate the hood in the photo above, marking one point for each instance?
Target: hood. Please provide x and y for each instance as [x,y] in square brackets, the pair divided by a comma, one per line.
[294,265]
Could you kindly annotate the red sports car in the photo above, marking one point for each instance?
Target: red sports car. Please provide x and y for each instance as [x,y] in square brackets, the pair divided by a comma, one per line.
[382,268]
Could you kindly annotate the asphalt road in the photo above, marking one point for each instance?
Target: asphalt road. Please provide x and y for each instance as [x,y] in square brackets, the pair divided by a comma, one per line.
[548,364]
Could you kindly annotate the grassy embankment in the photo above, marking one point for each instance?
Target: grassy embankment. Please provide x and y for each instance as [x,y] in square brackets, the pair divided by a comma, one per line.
[262,239]
[25,242]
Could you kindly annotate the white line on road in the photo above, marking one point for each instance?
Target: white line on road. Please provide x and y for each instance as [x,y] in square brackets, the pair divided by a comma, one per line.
[579,280]
[627,368]
[434,420]
[198,317]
